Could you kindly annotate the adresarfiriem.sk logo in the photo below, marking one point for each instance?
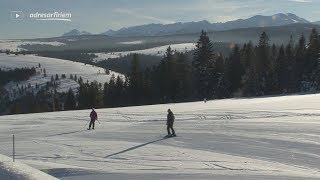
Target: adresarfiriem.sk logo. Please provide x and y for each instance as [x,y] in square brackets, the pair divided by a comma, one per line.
[54,16]
[42,16]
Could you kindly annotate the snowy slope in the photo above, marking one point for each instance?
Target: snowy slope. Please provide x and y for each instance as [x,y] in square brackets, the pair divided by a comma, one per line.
[14,45]
[156,51]
[263,138]
[17,170]
[54,66]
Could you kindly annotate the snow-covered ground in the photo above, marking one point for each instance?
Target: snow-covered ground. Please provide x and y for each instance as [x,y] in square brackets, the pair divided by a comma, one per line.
[131,42]
[156,51]
[17,170]
[14,45]
[263,138]
[53,66]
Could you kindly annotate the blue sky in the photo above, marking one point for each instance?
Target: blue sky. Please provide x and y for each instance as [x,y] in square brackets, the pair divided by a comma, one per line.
[98,16]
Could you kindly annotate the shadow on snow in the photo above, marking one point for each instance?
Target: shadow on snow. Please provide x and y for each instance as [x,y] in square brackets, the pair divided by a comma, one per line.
[135,147]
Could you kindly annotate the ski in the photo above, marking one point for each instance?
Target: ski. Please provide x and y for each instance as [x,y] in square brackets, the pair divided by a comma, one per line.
[170,136]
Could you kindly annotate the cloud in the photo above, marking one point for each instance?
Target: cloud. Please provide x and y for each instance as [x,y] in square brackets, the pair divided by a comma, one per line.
[301,1]
[141,16]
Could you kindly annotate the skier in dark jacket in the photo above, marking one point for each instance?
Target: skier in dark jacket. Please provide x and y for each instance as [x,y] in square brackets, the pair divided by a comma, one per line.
[170,121]
[93,117]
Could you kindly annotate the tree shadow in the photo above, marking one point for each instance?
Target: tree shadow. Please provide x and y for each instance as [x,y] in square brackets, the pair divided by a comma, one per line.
[135,147]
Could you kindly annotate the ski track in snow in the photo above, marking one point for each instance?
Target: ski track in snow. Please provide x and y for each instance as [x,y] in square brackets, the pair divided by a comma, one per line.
[262,138]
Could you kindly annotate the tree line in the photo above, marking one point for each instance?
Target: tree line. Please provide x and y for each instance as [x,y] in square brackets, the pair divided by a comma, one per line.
[17,74]
[250,70]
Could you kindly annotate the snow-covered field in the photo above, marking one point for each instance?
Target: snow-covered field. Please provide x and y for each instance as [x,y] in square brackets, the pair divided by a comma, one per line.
[14,45]
[54,66]
[17,170]
[263,138]
[156,51]
[131,42]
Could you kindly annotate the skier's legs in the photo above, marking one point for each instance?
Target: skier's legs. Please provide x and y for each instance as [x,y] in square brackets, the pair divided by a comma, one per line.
[93,124]
[172,130]
[90,124]
[170,126]
[168,129]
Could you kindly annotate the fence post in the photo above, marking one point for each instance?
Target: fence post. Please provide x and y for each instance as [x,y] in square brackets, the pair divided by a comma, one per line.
[13,150]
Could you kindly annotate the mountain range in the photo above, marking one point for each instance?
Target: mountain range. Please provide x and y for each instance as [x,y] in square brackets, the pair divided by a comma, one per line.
[75,32]
[317,22]
[194,27]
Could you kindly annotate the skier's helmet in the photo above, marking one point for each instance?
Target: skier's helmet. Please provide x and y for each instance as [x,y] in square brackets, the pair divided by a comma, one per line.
[169,110]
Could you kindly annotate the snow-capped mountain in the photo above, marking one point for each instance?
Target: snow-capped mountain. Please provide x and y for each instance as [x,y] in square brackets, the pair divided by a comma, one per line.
[161,29]
[317,22]
[192,27]
[261,21]
[75,32]
[195,27]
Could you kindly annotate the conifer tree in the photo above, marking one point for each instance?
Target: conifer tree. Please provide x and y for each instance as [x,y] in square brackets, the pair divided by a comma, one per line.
[235,69]
[70,102]
[135,80]
[203,66]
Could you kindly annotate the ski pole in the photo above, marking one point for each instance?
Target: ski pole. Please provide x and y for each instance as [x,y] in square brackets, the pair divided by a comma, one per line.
[86,124]
[98,121]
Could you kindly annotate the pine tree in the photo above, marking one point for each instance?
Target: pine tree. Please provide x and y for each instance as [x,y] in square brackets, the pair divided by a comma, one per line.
[183,76]
[70,102]
[52,79]
[80,80]
[162,79]
[312,52]
[273,57]
[95,95]
[203,66]
[247,54]
[223,85]
[110,92]
[135,80]
[273,78]
[235,69]
[105,94]
[147,86]
[83,96]
[300,57]
[170,75]
[263,66]
[119,92]
[44,72]
[250,80]
[291,60]
[283,70]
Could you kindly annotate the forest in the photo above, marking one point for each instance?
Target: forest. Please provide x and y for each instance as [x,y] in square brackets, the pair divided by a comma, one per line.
[249,71]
